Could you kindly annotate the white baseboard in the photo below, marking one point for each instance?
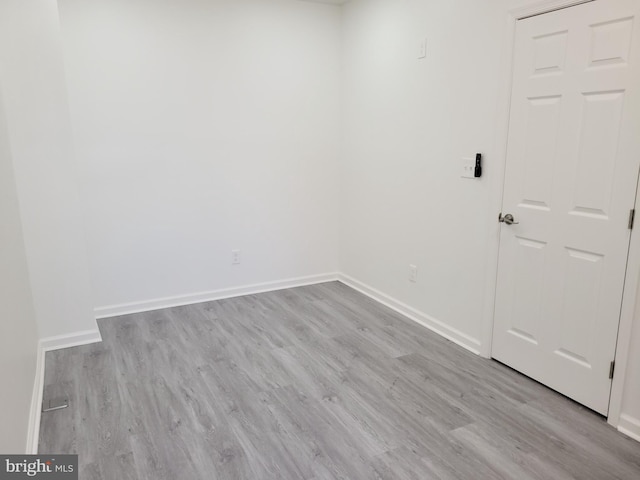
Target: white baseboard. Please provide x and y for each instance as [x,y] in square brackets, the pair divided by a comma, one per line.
[423,319]
[629,426]
[189,299]
[70,340]
[36,403]
[457,337]
[46,345]
[93,336]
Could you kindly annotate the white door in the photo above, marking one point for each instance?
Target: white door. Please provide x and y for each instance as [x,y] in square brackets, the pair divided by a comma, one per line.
[571,177]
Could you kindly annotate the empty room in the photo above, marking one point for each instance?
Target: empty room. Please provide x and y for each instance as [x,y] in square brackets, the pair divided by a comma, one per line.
[320,239]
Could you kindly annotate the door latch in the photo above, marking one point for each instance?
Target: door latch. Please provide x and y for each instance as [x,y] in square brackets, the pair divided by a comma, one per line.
[508,219]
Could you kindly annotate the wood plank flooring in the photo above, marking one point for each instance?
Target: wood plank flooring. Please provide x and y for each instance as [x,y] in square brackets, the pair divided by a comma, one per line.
[312,383]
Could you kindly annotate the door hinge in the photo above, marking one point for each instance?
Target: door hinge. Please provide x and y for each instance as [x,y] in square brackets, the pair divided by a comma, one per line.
[632,217]
[612,369]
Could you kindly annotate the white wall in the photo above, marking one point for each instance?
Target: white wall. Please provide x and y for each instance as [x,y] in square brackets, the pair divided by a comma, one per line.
[32,77]
[18,332]
[408,122]
[202,127]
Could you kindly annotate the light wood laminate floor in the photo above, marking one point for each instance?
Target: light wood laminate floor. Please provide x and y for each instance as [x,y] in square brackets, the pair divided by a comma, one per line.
[311,383]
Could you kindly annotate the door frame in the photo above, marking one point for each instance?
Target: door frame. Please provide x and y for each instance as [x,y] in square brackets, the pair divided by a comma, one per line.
[496,187]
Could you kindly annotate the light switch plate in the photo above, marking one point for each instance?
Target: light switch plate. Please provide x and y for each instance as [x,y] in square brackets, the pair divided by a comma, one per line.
[468,166]
[422,49]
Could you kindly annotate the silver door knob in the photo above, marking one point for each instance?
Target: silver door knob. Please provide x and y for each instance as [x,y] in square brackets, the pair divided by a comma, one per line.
[508,219]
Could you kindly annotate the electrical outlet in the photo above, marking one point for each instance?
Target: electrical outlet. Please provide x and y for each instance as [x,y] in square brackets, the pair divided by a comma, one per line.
[235,257]
[468,168]
[413,273]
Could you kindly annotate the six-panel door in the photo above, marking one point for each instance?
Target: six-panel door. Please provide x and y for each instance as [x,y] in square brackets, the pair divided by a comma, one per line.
[571,177]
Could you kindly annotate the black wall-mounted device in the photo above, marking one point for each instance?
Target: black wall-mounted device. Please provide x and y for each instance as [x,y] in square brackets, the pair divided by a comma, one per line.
[478,171]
